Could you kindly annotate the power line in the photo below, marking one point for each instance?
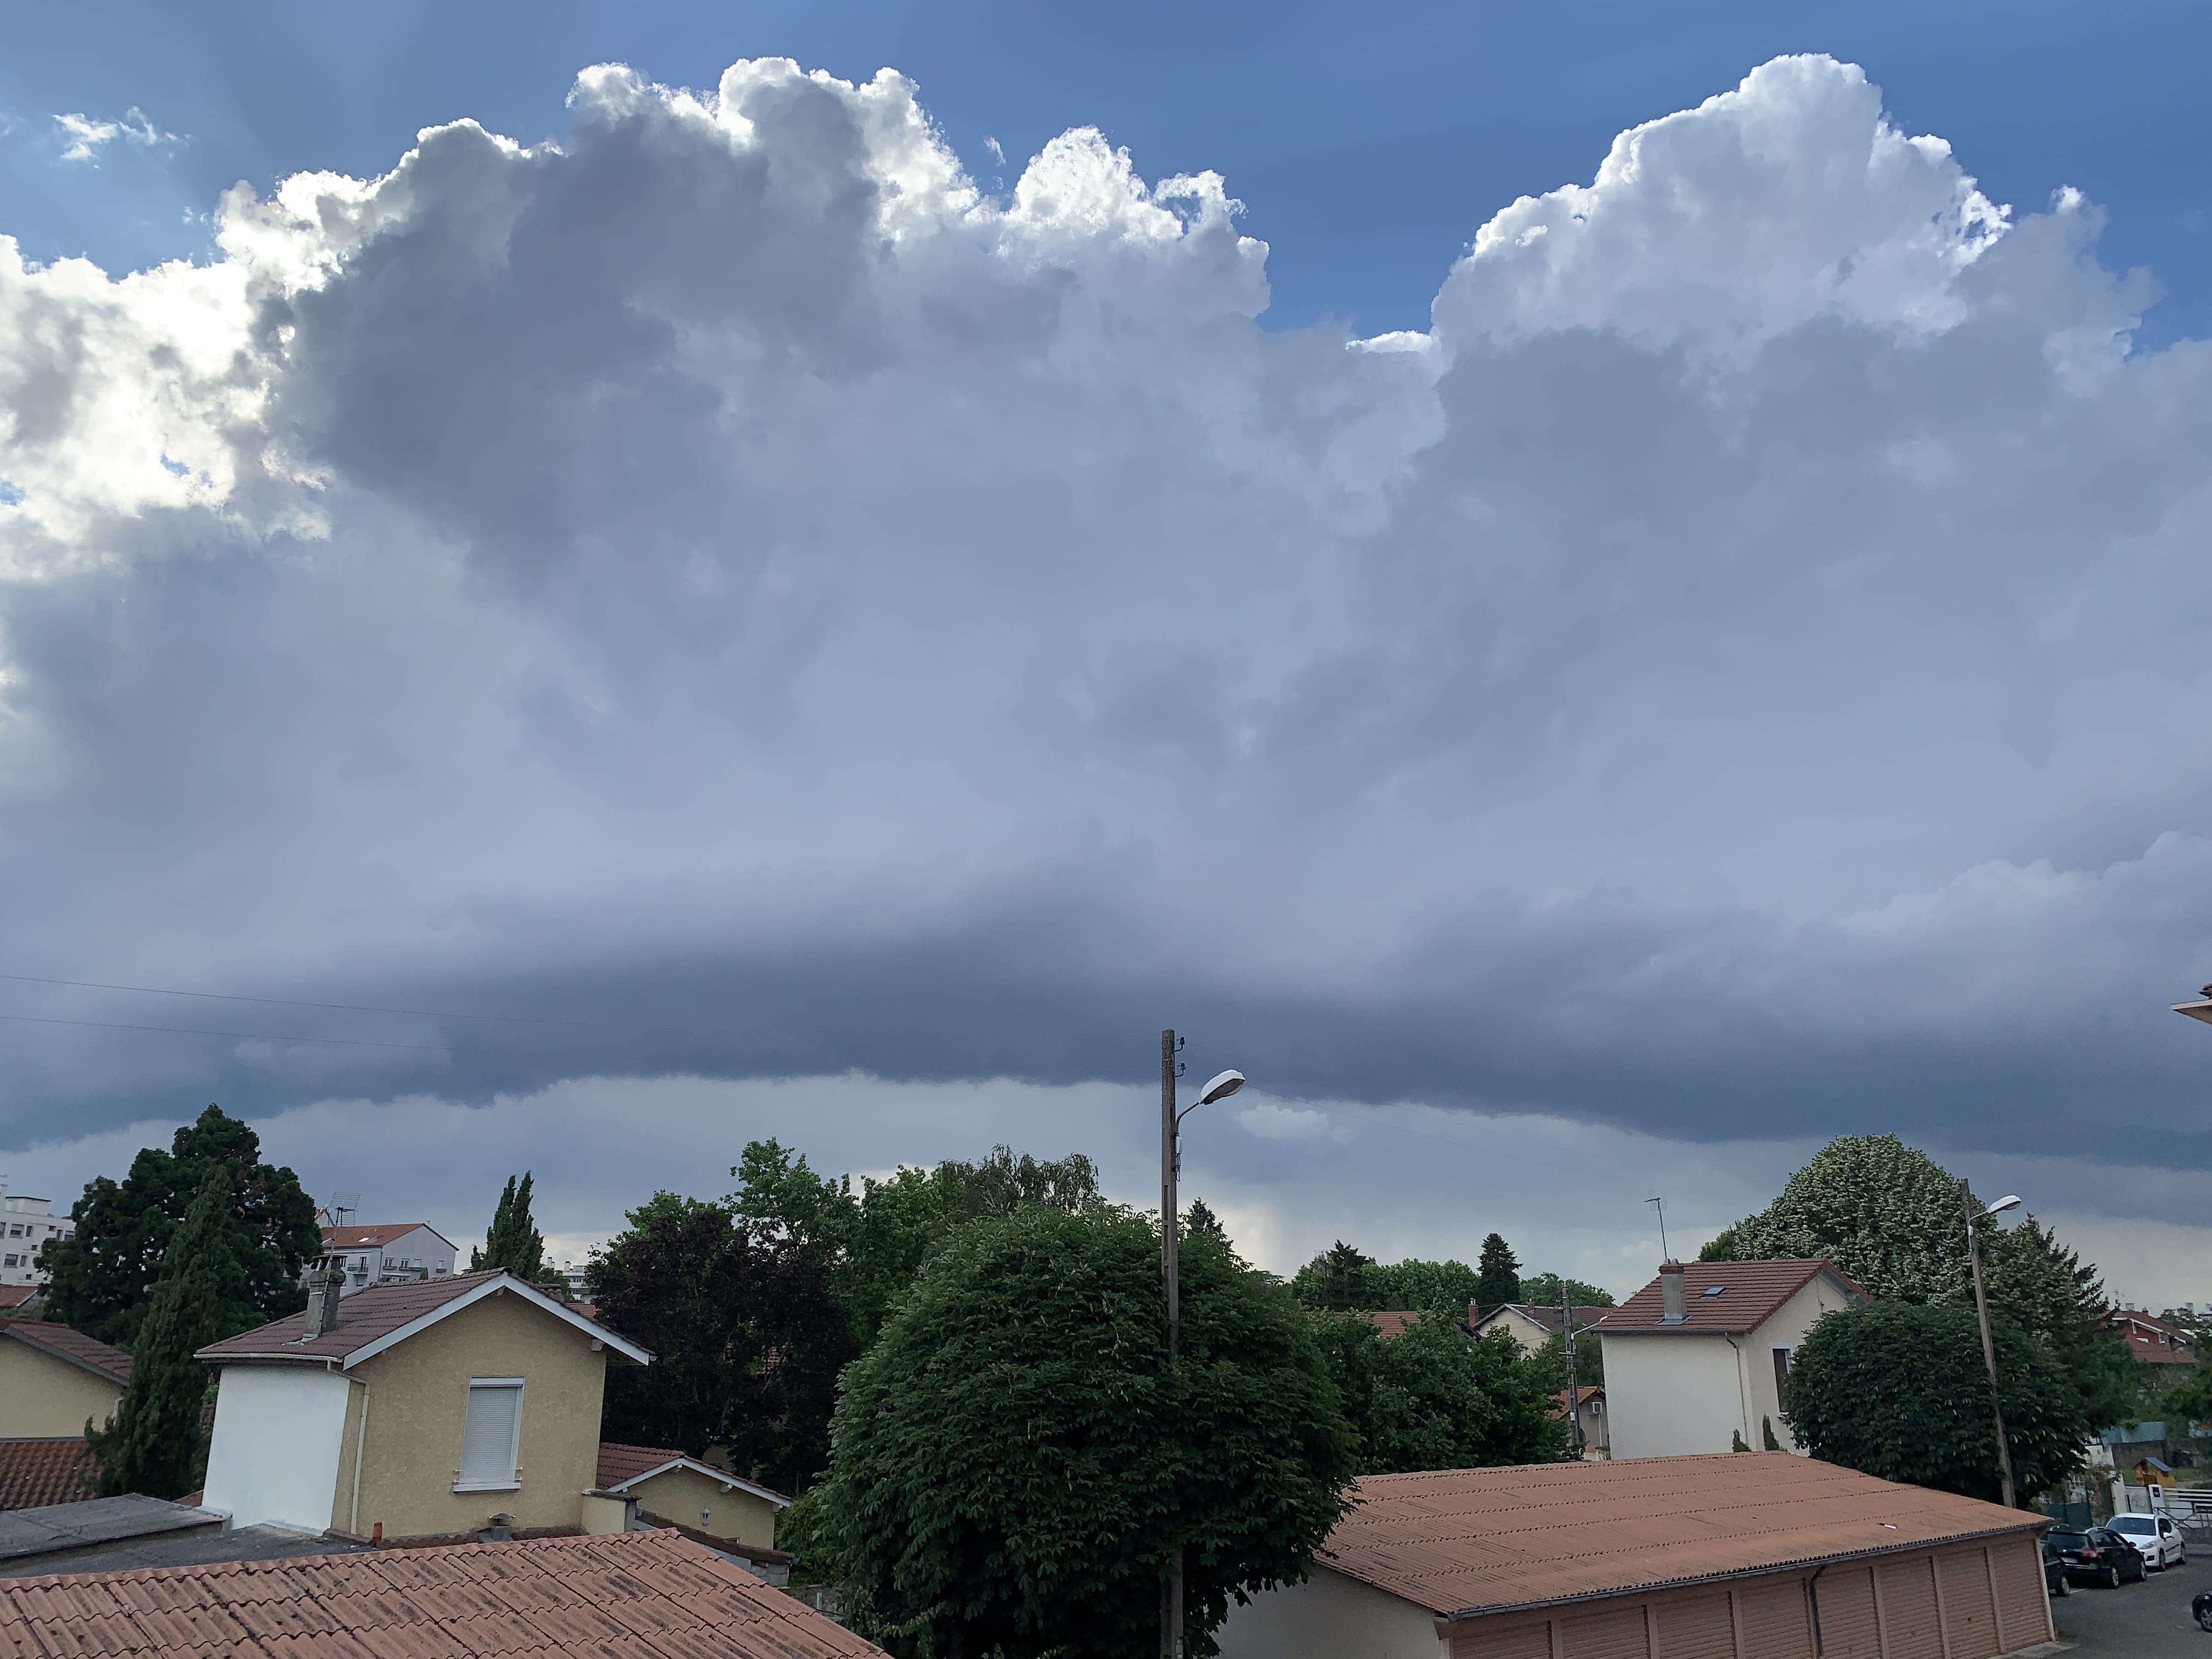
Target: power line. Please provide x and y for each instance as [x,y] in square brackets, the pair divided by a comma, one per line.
[279,1002]
[198,1030]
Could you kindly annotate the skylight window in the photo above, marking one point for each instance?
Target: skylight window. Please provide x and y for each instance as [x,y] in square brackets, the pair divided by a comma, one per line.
[1712,1289]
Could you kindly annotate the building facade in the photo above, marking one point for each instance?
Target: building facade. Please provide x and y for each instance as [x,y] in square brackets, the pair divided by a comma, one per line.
[392,1253]
[27,1223]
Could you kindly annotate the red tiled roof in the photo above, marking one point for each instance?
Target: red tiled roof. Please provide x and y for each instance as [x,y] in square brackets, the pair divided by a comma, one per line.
[1536,1313]
[14,1296]
[1750,1293]
[1583,1396]
[36,1473]
[1459,1542]
[643,1594]
[359,1238]
[88,1354]
[1391,1322]
[620,1464]
[369,1315]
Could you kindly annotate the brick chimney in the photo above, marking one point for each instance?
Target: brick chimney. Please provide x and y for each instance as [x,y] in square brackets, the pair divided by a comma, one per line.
[1673,1301]
[325,1283]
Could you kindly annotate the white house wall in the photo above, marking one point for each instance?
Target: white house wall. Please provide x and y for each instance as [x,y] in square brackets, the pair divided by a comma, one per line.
[1330,1616]
[278,1446]
[1669,1393]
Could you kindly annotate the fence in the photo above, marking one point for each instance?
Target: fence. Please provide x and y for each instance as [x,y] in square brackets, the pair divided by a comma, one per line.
[2189,1506]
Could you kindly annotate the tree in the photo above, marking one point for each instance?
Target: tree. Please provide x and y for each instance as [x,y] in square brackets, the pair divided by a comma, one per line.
[1341,1279]
[747,1337]
[1899,1390]
[1434,1398]
[155,1445]
[1016,1463]
[1498,1275]
[1542,1290]
[1589,1356]
[102,1279]
[513,1241]
[1444,1287]
[1201,1219]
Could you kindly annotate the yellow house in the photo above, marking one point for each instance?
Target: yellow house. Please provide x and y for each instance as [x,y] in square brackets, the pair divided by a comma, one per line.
[54,1380]
[666,1485]
[413,1410]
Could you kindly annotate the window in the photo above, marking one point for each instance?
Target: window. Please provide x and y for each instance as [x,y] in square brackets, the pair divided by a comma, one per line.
[12,1261]
[491,1435]
[14,1232]
[1781,1372]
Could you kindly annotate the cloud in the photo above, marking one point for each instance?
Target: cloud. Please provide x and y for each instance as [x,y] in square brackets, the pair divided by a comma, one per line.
[727,589]
[1271,1121]
[87,137]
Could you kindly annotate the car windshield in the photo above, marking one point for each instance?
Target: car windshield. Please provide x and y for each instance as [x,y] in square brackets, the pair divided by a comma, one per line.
[2070,1540]
[2136,1524]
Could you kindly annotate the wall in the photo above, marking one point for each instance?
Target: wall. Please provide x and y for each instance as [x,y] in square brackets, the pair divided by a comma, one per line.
[1671,1392]
[41,1395]
[1330,1616]
[1785,1327]
[418,1397]
[1963,1601]
[279,1438]
[680,1494]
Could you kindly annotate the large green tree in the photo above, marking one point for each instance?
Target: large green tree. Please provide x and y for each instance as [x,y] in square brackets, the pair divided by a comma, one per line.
[1497,1279]
[155,1445]
[1016,1462]
[1434,1398]
[102,1279]
[1900,1390]
[1341,1279]
[875,1240]
[513,1241]
[747,1341]
[1542,1289]
[1892,1217]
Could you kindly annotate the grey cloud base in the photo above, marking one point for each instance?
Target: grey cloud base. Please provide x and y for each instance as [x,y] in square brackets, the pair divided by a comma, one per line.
[725,588]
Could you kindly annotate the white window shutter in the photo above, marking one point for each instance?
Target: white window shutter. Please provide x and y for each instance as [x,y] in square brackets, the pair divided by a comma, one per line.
[489,1434]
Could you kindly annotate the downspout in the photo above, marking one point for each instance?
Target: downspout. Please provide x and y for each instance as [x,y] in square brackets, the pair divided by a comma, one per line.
[1742,1403]
[360,1441]
[1813,1595]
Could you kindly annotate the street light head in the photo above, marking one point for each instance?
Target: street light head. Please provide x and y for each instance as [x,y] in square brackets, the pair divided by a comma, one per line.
[1221,1088]
[2009,1201]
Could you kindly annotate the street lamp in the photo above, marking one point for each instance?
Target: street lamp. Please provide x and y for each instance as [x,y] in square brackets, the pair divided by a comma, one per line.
[2010,1201]
[2201,1008]
[1222,1086]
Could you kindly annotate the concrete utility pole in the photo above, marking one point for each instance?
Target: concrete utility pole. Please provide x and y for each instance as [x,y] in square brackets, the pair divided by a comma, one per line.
[1574,1379]
[1989,1347]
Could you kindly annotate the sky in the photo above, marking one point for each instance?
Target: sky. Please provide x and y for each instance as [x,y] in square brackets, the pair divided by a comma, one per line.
[1591,602]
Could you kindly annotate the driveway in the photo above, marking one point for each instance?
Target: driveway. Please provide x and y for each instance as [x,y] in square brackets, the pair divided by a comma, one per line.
[2149,1620]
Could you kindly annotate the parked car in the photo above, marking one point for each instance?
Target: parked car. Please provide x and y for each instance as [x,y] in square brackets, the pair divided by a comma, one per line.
[2054,1575]
[2200,1609]
[2098,1556]
[2155,1536]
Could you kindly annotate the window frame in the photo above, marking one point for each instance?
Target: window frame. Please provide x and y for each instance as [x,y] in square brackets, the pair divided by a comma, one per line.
[513,1482]
[1782,1353]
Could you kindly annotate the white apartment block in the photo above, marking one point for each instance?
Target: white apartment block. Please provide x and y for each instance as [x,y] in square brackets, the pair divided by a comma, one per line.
[390,1254]
[27,1223]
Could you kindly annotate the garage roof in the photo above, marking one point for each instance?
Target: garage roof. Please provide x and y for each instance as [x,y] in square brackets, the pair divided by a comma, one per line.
[1464,1542]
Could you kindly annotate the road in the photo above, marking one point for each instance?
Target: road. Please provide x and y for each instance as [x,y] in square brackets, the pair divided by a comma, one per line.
[2149,1620]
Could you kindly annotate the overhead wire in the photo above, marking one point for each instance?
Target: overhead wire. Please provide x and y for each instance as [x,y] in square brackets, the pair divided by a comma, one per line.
[277,1002]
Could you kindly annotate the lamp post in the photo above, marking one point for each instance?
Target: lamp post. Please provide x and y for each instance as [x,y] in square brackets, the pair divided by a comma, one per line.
[2197,1007]
[1982,1311]
[1222,1086]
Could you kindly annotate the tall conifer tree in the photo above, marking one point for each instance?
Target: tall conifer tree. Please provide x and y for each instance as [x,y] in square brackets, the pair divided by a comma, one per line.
[1498,1274]
[513,1241]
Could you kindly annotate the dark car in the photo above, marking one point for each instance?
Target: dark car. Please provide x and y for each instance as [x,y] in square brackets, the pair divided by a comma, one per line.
[2098,1556]
[2200,1609]
[2054,1575]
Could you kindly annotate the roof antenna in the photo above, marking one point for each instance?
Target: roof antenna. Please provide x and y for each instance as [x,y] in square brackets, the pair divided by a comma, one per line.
[1659,1205]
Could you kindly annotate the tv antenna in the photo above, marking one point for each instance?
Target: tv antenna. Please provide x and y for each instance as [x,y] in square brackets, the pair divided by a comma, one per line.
[344,1206]
[1659,1205]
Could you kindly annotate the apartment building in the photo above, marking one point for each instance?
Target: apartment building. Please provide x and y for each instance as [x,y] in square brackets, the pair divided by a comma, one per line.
[25,1225]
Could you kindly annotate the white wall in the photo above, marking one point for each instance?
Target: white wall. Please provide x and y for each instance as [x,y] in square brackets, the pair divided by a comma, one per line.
[1669,1392]
[1329,1616]
[279,1444]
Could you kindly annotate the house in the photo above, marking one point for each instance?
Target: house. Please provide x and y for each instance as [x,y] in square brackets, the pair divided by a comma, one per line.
[54,1380]
[21,1301]
[1532,1324]
[423,1408]
[25,1225]
[668,1486]
[1590,1410]
[1391,1322]
[2153,1341]
[1696,1360]
[388,1253]
[639,1593]
[44,1470]
[1764,1556]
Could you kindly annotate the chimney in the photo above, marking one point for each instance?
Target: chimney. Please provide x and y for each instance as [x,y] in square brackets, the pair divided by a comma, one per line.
[1673,1303]
[326,1282]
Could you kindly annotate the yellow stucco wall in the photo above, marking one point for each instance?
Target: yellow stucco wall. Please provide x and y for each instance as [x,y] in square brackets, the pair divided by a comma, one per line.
[736,1514]
[417,1400]
[41,1395]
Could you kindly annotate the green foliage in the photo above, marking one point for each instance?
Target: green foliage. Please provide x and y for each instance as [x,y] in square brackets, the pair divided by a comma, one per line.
[800,1530]
[877,1240]
[1766,1438]
[1899,1390]
[747,1337]
[1724,1246]
[1341,1279]
[1199,1219]
[1015,1462]
[513,1242]
[1589,1358]
[1498,1275]
[102,1281]
[1737,1442]
[1434,1398]
[154,1444]
[1542,1289]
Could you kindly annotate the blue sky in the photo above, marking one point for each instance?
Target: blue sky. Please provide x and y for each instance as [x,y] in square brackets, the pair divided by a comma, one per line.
[1366,143]
[845,657]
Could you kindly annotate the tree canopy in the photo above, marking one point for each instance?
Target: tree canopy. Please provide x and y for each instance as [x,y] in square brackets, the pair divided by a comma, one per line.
[513,1241]
[747,1337]
[1432,1397]
[1341,1278]
[1497,1279]
[1015,1463]
[1542,1289]
[1900,1390]
[102,1281]
[155,1444]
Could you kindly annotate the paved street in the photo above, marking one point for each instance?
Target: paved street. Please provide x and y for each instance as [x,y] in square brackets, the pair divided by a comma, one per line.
[2149,1620]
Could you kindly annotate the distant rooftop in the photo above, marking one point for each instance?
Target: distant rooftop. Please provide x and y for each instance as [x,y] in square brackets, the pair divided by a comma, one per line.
[1723,1295]
[85,1352]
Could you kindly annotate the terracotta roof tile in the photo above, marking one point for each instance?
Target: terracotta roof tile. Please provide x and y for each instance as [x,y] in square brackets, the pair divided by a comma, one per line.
[619,1462]
[1476,1540]
[36,1473]
[1390,1323]
[370,1314]
[14,1296]
[629,1596]
[87,1353]
[1747,1293]
[357,1238]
